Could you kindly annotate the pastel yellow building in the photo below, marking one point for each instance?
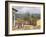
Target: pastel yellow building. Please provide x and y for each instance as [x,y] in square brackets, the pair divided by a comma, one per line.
[39,22]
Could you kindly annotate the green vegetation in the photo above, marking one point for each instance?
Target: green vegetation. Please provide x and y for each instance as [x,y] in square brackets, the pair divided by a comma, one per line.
[32,18]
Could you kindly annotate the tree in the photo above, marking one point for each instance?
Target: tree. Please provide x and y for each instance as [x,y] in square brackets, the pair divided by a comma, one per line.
[27,16]
[34,20]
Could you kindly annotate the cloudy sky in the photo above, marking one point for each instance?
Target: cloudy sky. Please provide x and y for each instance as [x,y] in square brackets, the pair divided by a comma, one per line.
[31,10]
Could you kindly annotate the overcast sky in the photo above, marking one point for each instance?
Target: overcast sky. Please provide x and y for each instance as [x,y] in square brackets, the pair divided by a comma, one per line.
[31,10]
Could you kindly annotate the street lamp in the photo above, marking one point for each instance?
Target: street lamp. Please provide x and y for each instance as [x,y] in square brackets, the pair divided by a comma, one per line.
[14,10]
